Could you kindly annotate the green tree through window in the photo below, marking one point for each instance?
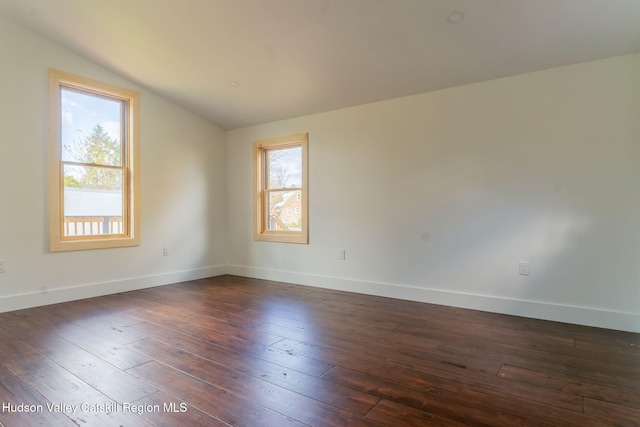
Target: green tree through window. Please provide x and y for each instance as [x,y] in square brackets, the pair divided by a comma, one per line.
[98,148]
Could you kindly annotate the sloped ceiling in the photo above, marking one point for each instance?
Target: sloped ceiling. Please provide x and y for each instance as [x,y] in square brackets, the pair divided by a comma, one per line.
[295,57]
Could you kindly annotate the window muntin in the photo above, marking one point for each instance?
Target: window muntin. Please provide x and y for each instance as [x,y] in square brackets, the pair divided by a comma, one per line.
[281,188]
[92,164]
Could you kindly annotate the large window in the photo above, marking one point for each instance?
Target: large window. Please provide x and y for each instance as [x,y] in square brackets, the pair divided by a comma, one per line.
[281,195]
[93,164]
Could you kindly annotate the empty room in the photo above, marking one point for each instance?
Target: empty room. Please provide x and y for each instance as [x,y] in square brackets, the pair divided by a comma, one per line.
[320,213]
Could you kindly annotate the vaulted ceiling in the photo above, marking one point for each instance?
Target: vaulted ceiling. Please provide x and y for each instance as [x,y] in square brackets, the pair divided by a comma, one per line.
[243,62]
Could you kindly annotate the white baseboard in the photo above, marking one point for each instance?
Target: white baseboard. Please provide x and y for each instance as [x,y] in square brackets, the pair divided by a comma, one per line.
[533,309]
[54,296]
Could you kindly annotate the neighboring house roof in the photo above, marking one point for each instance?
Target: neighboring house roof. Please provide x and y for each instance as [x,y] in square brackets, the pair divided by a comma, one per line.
[87,202]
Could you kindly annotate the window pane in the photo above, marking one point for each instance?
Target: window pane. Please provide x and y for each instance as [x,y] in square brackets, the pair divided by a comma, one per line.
[284,167]
[284,211]
[92,201]
[91,128]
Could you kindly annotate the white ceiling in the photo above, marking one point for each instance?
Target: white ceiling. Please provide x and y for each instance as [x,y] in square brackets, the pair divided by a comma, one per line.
[297,57]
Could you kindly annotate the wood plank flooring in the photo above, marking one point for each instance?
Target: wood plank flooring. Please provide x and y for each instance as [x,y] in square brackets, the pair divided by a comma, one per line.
[232,351]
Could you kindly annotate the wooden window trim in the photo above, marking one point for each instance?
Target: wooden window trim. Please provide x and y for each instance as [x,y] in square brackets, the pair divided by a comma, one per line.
[260,190]
[131,165]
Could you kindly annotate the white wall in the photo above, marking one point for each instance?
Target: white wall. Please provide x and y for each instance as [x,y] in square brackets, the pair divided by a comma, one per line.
[437,197]
[182,184]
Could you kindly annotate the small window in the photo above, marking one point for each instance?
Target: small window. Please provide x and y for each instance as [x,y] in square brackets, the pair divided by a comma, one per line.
[280,166]
[93,164]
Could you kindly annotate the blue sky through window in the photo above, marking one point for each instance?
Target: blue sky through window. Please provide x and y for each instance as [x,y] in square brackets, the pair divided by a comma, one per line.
[80,112]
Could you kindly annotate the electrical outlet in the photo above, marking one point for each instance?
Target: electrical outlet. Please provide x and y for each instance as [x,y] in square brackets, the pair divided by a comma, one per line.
[3,266]
[343,255]
[165,251]
[524,268]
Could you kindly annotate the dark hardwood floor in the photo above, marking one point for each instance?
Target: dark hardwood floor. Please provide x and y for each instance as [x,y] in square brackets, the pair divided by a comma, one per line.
[244,352]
